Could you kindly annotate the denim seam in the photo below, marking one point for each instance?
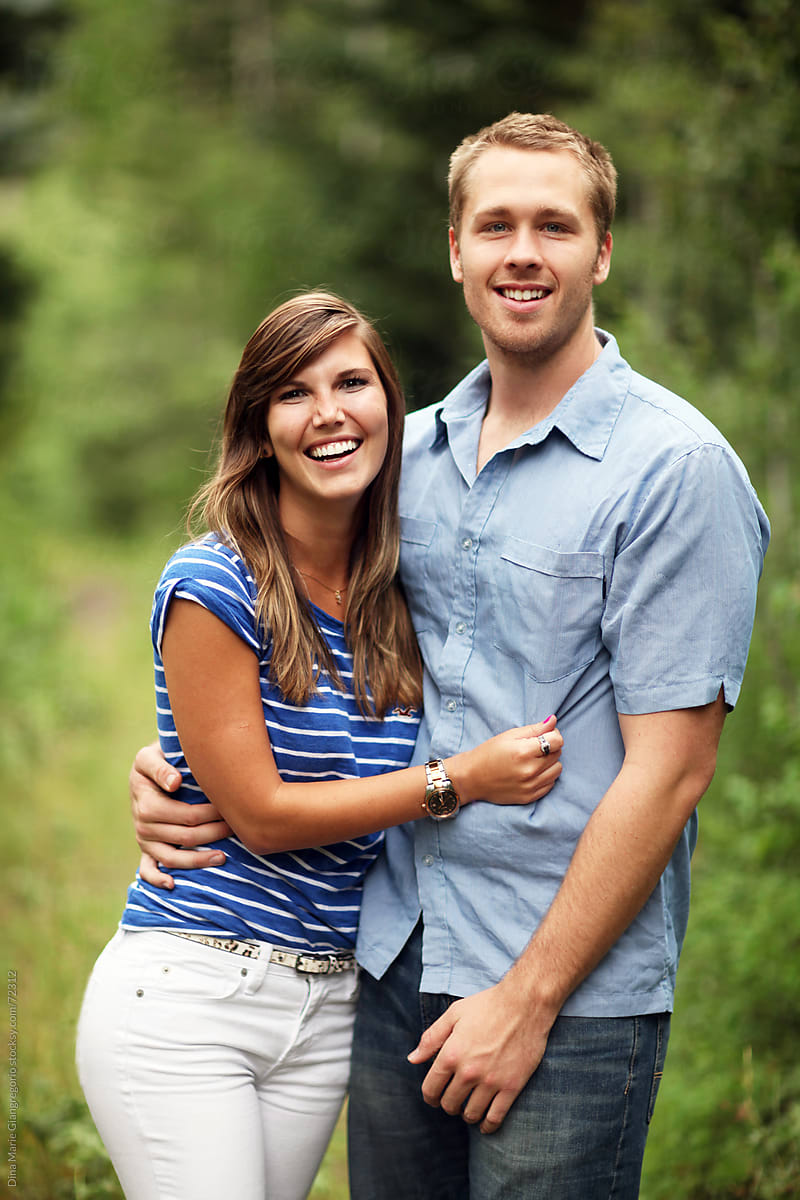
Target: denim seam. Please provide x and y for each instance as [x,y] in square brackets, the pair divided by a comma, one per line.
[627,1108]
[658,1069]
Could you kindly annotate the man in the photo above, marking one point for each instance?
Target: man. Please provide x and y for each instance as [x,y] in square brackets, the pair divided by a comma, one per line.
[576,540]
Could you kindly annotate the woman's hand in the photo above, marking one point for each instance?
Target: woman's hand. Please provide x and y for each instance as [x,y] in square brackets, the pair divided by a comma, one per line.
[511,768]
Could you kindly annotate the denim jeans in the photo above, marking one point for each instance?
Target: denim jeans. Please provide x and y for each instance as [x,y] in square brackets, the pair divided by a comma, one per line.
[577,1131]
[209,1075]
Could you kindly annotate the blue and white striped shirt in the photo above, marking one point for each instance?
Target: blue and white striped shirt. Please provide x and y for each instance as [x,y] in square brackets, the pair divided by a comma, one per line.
[304,900]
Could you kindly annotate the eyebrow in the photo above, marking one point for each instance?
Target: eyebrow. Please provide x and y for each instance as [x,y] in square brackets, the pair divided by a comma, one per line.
[547,214]
[298,380]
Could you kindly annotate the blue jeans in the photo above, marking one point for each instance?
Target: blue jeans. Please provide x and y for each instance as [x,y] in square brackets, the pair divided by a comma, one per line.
[577,1131]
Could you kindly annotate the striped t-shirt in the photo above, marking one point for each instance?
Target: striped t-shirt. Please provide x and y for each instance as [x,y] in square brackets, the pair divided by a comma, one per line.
[304,900]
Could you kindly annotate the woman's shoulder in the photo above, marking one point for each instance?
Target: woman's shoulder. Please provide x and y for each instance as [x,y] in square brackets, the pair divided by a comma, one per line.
[210,552]
[208,557]
[212,573]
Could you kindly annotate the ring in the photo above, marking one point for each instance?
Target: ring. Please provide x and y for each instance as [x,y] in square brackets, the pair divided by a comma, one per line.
[544,742]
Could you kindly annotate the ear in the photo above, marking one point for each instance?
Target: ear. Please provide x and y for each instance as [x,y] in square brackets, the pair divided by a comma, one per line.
[455,257]
[603,264]
[267,450]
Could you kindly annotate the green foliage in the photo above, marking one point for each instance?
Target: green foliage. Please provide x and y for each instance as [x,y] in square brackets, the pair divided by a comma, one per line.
[64,1150]
[729,1112]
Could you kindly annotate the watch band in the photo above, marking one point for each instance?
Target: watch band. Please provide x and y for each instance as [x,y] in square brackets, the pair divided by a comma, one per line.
[436,774]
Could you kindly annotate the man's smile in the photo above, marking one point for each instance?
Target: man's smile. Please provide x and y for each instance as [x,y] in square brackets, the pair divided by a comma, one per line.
[527,293]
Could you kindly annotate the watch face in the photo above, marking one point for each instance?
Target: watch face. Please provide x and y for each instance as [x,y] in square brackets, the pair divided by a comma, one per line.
[442,802]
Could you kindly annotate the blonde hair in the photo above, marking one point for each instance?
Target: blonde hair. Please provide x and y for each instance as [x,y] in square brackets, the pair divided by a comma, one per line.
[240,503]
[537,131]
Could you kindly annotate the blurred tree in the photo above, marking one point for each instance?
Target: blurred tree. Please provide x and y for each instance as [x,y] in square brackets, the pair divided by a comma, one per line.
[404,81]
[214,157]
[28,33]
[703,123]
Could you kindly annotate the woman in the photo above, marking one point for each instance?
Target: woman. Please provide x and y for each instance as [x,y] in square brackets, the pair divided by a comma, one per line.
[214,1038]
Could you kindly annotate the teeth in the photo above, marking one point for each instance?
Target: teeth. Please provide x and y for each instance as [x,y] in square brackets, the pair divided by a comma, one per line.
[331,449]
[524,293]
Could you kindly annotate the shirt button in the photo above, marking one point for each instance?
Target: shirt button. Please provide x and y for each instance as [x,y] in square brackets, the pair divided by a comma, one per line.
[427,860]
[451,706]
[460,627]
[466,543]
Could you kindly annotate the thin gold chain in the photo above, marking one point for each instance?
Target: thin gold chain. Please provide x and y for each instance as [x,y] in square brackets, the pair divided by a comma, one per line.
[337,592]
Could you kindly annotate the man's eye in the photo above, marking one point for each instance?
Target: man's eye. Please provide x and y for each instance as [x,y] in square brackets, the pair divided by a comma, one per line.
[497,227]
[553,227]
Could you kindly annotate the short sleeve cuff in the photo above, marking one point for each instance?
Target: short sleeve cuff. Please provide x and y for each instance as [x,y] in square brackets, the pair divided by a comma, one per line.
[211,577]
[692,693]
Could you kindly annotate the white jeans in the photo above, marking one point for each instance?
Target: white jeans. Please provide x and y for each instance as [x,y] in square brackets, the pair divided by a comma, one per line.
[208,1074]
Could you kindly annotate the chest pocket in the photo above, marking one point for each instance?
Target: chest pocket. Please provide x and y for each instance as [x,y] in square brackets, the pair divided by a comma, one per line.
[416,537]
[547,608]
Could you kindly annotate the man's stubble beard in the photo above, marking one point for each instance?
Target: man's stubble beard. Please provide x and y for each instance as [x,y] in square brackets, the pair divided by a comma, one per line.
[533,345]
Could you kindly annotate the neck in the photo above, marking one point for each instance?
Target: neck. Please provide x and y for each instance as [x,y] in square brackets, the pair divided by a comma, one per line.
[328,561]
[319,550]
[320,542]
[525,389]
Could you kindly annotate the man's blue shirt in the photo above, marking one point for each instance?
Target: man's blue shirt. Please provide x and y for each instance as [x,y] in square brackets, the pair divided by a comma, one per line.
[605,561]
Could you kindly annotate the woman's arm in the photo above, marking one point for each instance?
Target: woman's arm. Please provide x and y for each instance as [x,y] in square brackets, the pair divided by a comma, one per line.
[213,682]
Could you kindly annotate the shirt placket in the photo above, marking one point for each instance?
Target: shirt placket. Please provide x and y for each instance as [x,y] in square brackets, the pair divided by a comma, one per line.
[448,730]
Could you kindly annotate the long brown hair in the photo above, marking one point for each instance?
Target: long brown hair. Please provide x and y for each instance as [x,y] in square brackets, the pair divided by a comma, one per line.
[240,503]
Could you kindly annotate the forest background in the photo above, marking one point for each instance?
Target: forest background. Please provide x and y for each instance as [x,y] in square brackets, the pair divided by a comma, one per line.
[168,172]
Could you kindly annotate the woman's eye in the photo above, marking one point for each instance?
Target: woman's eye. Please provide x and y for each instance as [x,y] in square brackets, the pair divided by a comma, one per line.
[354,381]
[290,394]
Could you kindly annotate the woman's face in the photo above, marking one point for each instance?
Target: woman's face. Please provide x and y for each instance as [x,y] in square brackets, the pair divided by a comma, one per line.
[328,429]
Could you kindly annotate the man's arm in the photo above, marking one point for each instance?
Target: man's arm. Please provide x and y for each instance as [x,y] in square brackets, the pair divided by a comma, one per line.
[167,828]
[488,1045]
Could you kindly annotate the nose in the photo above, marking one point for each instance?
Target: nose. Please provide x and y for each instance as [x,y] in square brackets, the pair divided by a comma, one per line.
[327,409]
[523,249]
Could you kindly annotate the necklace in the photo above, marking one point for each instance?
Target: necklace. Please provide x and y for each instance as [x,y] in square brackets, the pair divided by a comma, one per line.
[337,592]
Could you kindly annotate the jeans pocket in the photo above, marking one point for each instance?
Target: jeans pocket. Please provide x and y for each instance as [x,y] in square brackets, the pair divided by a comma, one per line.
[188,971]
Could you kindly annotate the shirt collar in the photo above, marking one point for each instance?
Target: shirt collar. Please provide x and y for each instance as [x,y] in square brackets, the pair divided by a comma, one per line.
[586,415]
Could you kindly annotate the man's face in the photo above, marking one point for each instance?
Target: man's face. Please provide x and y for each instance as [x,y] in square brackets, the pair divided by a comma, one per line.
[527,252]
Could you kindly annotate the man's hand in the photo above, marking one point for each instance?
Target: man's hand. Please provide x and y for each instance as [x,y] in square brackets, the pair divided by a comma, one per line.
[166,829]
[487,1047]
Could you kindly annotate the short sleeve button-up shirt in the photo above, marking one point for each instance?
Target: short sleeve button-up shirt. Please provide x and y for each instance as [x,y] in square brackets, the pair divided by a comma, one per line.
[605,561]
